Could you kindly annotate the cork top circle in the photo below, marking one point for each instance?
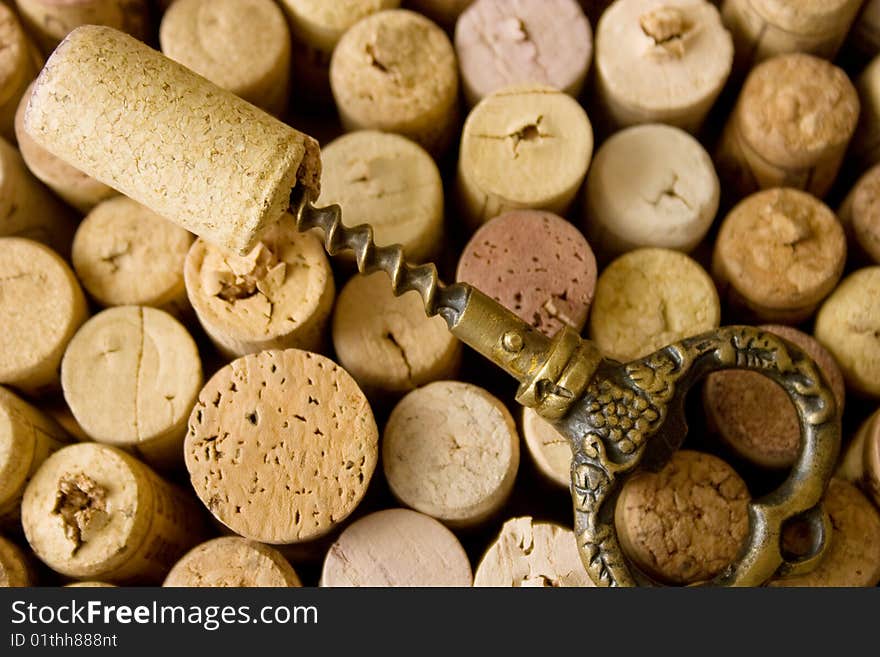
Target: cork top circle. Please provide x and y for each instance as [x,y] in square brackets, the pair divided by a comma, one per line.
[806,16]
[231,561]
[862,210]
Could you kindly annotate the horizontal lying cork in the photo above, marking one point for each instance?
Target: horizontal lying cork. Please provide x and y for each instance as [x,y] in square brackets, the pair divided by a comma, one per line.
[755,416]
[18,67]
[396,547]
[536,264]
[530,553]
[501,43]
[279,295]
[387,343]
[231,561]
[860,216]
[27,438]
[41,308]
[685,523]
[171,140]
[131,376]
[15,571]
[281,446]
[396,71]
[848,325]
[778,254]
[451,450]
[549,449]
[522,147]
[865,147]
[791,127]
[94,512]
[649,298]
[661,61]
[860,464]
[240,45]
[126,254]
[853,557]
[650,185]
[444,12]
[389,182]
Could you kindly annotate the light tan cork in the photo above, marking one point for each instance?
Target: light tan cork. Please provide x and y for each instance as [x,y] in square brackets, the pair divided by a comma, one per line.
[791,127]
[396,547]
[387,343]
[649,298]
[188,150]
[51,20]
[864,35]
[778,254]
[321,24]
[765,28]
[853,557]
[15,571]
[444,12]
[860,216]
[131,376]
[56,408]
[27,208]
[389,182]
[865,147]
[125,254]
[396,71]
[685,523]
[90,585]
[231,561]
[94,512]
[848,325]
[528,553]
[860,464]
[27,438]
[451,451]
[18,67]
[661,61]
[549,449]
[277,296]
[41,307]
[281,446]
[240,45]
[522,147]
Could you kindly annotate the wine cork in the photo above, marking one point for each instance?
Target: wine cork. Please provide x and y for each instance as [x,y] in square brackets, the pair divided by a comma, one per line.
[848,325]
[396,71]
[451,451]
[125,254]
[522,147]
[754,416]
[500,44]
[173,141]
[27,208]
[390,183]
[70,184]
[864,35]
[396,547]
[650,185]
[94,512]
[791,126]
[549,449]
[281,446]
[685,523]
[231,561]
[18,67]
[277,296]
[14,568]
[240,45]
[865,147]
[41,308]
[27,438]
[444,12]
[860,216]
[131,376]
[387,343]
[536,264]
[765,28]
[649,298]
[661,61]
[853,557]
[57,409]
[860,464]
[90,585]
[51,20]
[530,553]
[778,254]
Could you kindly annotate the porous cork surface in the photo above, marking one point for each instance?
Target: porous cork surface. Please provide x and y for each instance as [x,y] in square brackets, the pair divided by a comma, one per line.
[684,524]
[281,446]
[14,568]
[649,298]
[17,68]
[51,20]
[536,264]
[528,553]
[231,561]
[549,449]
[451,450]
[396,547]
[320,24]
[803,16]
[860,215]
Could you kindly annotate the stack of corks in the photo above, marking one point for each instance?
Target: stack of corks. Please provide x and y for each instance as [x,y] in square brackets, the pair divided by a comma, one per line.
[186,410]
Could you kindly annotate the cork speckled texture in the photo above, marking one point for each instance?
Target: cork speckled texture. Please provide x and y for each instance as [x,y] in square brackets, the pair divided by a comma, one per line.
[549,449]
[18,67]
[14,568]
[281,446]
[320,24]
[51,20]
[860,215]
[218,166]
[231,561]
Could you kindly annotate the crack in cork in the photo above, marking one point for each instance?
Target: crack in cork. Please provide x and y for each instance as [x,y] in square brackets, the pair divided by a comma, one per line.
[82,504]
